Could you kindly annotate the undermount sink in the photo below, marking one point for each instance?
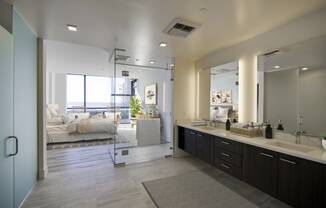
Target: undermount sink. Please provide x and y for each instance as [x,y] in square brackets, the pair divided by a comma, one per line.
[294,147]
[206,127]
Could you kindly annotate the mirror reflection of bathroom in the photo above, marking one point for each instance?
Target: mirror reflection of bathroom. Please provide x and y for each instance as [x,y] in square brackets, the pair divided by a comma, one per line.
[291,87]
[224,92]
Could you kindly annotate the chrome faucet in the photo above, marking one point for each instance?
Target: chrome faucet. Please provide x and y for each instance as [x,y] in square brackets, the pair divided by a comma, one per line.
[298,135]
[299,132]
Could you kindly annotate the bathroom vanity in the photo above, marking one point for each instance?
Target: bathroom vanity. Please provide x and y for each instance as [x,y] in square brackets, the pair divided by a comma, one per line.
[295,174]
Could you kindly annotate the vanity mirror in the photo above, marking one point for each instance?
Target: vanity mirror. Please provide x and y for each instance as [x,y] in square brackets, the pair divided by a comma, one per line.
[291,87]
[224,92]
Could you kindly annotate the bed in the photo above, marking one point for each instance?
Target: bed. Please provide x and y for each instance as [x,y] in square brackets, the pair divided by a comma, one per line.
[81,130]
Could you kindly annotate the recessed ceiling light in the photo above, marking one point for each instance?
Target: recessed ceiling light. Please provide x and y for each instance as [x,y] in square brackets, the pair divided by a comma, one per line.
[163,44]
[152,62]
[304,68]
[72,28]
[277,67]
[172,65]
[203,9]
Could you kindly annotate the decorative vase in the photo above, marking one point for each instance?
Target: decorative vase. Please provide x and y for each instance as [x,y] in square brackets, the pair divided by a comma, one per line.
[323,142]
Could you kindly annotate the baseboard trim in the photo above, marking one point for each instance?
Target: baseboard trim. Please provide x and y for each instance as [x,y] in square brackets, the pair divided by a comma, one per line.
[27,195]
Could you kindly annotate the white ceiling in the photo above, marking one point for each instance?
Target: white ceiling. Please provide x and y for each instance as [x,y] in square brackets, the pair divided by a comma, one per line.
[136,25]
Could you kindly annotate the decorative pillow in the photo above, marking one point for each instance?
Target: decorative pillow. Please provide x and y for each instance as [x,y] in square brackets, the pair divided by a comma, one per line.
[53,112]
[81,115]
[48,114]
[68,118]
[223,112]
[72,127]
[109,115]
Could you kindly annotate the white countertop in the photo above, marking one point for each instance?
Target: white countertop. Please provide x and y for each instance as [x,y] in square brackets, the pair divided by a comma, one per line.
[316,154]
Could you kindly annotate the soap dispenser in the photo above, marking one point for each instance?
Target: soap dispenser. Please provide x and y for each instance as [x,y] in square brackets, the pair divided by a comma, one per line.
[280,126]
[268,131]
[228,125]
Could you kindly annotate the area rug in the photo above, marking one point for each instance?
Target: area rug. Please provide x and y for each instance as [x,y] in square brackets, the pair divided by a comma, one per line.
[119,139]
[194,190]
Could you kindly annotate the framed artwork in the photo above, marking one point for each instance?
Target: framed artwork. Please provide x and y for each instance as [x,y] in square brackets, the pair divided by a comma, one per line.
[150,94]
[221,97]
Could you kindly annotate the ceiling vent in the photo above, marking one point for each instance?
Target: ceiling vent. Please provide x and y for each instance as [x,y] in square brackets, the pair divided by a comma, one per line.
[181,28]
[271,53]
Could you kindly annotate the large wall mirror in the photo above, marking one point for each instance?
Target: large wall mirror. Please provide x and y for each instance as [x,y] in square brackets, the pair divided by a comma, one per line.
[292,84]
[224,92]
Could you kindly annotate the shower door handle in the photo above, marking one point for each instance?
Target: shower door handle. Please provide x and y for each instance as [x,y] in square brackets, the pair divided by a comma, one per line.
[16,145]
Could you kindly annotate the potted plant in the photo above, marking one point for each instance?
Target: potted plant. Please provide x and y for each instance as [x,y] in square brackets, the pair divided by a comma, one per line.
[135,106]
[323,141]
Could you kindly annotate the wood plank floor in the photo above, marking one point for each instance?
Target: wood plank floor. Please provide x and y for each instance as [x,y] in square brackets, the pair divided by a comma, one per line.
[89,180]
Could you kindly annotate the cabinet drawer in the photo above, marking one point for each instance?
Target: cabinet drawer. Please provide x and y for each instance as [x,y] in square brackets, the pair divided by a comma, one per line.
[228,156]
[229,145]
[228,168]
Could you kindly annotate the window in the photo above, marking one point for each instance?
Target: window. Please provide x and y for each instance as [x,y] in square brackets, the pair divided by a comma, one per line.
[98,93]
[75,92]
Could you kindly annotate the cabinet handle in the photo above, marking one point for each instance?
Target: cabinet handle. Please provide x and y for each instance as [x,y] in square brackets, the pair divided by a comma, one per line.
[224,154]
[266,155]
[199,135]
[288,161]
[223,142]
[225,166]
[192,133]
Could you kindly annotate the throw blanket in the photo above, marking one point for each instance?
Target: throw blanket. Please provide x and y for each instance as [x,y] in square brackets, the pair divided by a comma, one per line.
[95,125]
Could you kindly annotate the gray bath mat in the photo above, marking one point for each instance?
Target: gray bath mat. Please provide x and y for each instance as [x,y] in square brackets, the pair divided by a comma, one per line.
[194,190]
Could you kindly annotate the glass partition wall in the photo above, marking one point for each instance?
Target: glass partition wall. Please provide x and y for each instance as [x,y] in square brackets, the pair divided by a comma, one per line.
[142,108]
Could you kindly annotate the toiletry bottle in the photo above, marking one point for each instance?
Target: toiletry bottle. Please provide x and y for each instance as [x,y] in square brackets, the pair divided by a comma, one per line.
[280,126]
[228,125]
[268,131]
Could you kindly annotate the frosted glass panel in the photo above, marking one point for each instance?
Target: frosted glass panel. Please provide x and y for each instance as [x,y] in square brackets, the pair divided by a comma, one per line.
[6,118]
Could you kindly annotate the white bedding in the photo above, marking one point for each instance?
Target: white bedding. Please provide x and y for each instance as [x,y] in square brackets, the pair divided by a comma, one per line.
[84,129]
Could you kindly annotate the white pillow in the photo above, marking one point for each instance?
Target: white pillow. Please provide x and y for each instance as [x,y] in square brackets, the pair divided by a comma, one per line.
[81,115]
[109,115]
[213,114]
[72,127]
[53,112]
[223,112]
[68,118]
[48,114]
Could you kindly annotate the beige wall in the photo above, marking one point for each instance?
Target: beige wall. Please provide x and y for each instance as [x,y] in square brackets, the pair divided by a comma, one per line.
[184,102]
[184,89]
[203,85]
[309,26]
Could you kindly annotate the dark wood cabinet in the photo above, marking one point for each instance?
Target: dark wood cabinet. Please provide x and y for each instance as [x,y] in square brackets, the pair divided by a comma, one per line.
[289,179]
[181,138]
[204,147]
[311,184]
[298,182]
[260,169]
[189,142]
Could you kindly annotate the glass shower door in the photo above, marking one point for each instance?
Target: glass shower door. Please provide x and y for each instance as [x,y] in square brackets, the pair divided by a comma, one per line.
[6,120]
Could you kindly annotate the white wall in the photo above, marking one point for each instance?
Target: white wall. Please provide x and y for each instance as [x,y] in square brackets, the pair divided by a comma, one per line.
[65,58]
[309,26]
